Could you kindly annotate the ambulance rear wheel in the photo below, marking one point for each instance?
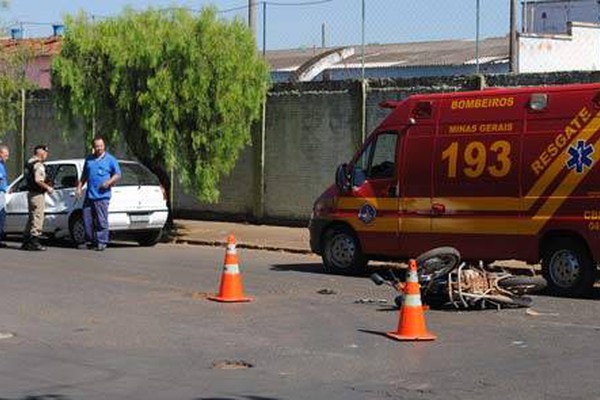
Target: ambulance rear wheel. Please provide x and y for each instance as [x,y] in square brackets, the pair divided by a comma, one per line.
[568,268]
[342,253]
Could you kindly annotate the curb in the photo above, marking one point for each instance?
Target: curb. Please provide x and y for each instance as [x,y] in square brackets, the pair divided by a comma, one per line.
[241,245]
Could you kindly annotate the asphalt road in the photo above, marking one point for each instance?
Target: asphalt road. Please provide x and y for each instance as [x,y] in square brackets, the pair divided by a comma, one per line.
[133,323]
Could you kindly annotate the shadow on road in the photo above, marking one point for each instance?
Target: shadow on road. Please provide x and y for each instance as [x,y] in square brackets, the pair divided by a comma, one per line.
[317,268]
[595,294]
[377,333]
[312,268]
[15,244]
[39,397]
[248,397]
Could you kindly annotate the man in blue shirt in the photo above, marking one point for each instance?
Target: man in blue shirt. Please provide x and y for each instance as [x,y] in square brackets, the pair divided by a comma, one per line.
[100,171]
[4,153]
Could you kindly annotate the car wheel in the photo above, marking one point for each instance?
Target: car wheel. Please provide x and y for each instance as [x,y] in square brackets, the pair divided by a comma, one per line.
[342,253]
[149,238]
[568,268]
[77,229]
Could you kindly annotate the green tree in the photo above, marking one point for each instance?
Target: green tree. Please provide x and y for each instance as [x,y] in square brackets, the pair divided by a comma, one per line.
[181,88]
[14,58]
[13,65]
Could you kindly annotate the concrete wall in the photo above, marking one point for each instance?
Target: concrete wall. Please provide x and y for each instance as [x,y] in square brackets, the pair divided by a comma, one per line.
[41,127]
[310,128]
[237,193]
[306,137]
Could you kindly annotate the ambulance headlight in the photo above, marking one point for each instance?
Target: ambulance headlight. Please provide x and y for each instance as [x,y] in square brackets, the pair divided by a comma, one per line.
[323,206]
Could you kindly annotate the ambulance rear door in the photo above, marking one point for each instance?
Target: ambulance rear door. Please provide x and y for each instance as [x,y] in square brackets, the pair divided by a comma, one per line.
[417,174]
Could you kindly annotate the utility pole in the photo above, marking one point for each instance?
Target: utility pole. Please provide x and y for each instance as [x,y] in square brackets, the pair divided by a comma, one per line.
[264,30]
[362,42]
[512,47]
[252,16]
[477,8]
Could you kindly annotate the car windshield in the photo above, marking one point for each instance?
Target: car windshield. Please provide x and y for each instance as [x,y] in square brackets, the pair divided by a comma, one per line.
[133,174]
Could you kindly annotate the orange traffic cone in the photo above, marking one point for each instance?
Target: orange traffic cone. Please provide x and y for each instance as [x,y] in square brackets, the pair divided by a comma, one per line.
[411,325]
[231,290]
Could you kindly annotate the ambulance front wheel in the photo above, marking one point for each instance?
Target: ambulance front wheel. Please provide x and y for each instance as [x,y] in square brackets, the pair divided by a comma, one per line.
[568,268]
[342,253]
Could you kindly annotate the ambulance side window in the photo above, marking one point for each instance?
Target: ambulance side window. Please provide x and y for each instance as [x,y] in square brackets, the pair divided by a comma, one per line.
[378,160]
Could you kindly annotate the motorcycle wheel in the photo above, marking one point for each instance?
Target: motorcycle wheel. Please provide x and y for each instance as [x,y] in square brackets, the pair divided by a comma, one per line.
[523,284]
[438,260]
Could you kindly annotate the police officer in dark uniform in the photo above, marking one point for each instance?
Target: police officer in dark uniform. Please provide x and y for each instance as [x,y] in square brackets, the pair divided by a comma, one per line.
[35,176]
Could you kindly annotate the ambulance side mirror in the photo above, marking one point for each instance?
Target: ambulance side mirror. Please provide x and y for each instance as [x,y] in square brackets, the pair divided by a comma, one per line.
[358,177]
[342,177]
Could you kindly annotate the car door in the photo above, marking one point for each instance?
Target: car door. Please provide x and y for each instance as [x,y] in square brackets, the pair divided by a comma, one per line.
[63,178]
[16,206]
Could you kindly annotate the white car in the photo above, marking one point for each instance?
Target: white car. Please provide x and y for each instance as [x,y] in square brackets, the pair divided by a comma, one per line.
[138,207]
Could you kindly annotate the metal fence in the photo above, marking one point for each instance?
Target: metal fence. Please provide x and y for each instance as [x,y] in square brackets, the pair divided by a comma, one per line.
[554,35]
[290,24]
[342,22]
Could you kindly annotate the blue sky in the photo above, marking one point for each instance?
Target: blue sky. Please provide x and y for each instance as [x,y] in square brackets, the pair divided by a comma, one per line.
[297,23]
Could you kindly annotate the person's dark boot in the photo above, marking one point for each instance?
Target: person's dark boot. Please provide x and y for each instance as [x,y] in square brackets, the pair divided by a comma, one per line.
[35,245]
[38,245]
[26,243]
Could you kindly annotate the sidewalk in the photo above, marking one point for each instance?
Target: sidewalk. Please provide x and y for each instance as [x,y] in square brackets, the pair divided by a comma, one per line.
[268,237]
[263,237]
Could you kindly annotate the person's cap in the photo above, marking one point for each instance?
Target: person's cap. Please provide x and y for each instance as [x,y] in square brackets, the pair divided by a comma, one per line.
[40,147]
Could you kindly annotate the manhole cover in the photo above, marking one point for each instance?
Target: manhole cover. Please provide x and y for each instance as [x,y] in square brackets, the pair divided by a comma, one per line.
[231,364]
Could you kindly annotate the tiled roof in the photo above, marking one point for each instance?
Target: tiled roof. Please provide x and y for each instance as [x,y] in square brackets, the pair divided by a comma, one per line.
[40,46]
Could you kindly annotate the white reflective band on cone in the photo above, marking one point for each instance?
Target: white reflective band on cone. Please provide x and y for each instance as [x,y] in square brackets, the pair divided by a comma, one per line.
[231,249]
[412,277]
[232,269]
[412,300]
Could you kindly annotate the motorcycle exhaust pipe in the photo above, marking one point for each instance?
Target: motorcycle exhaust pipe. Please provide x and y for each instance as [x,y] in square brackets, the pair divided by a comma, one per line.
[377,279]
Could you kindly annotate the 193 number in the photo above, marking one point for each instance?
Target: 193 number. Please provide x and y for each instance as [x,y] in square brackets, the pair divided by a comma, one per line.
[475,157]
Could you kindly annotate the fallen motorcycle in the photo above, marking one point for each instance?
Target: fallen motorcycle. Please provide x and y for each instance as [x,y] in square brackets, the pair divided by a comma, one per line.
[448,282]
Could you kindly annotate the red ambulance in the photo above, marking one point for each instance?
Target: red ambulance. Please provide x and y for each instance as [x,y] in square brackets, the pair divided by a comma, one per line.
[499,174]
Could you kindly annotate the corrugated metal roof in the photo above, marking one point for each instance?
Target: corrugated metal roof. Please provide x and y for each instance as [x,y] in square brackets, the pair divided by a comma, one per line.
[432,53]
[445,52]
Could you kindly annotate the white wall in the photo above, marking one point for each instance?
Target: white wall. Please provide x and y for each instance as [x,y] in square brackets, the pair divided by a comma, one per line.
[578,50]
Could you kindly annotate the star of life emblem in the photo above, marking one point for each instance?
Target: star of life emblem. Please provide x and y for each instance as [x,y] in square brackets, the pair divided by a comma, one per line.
[367,213]
[580,156]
